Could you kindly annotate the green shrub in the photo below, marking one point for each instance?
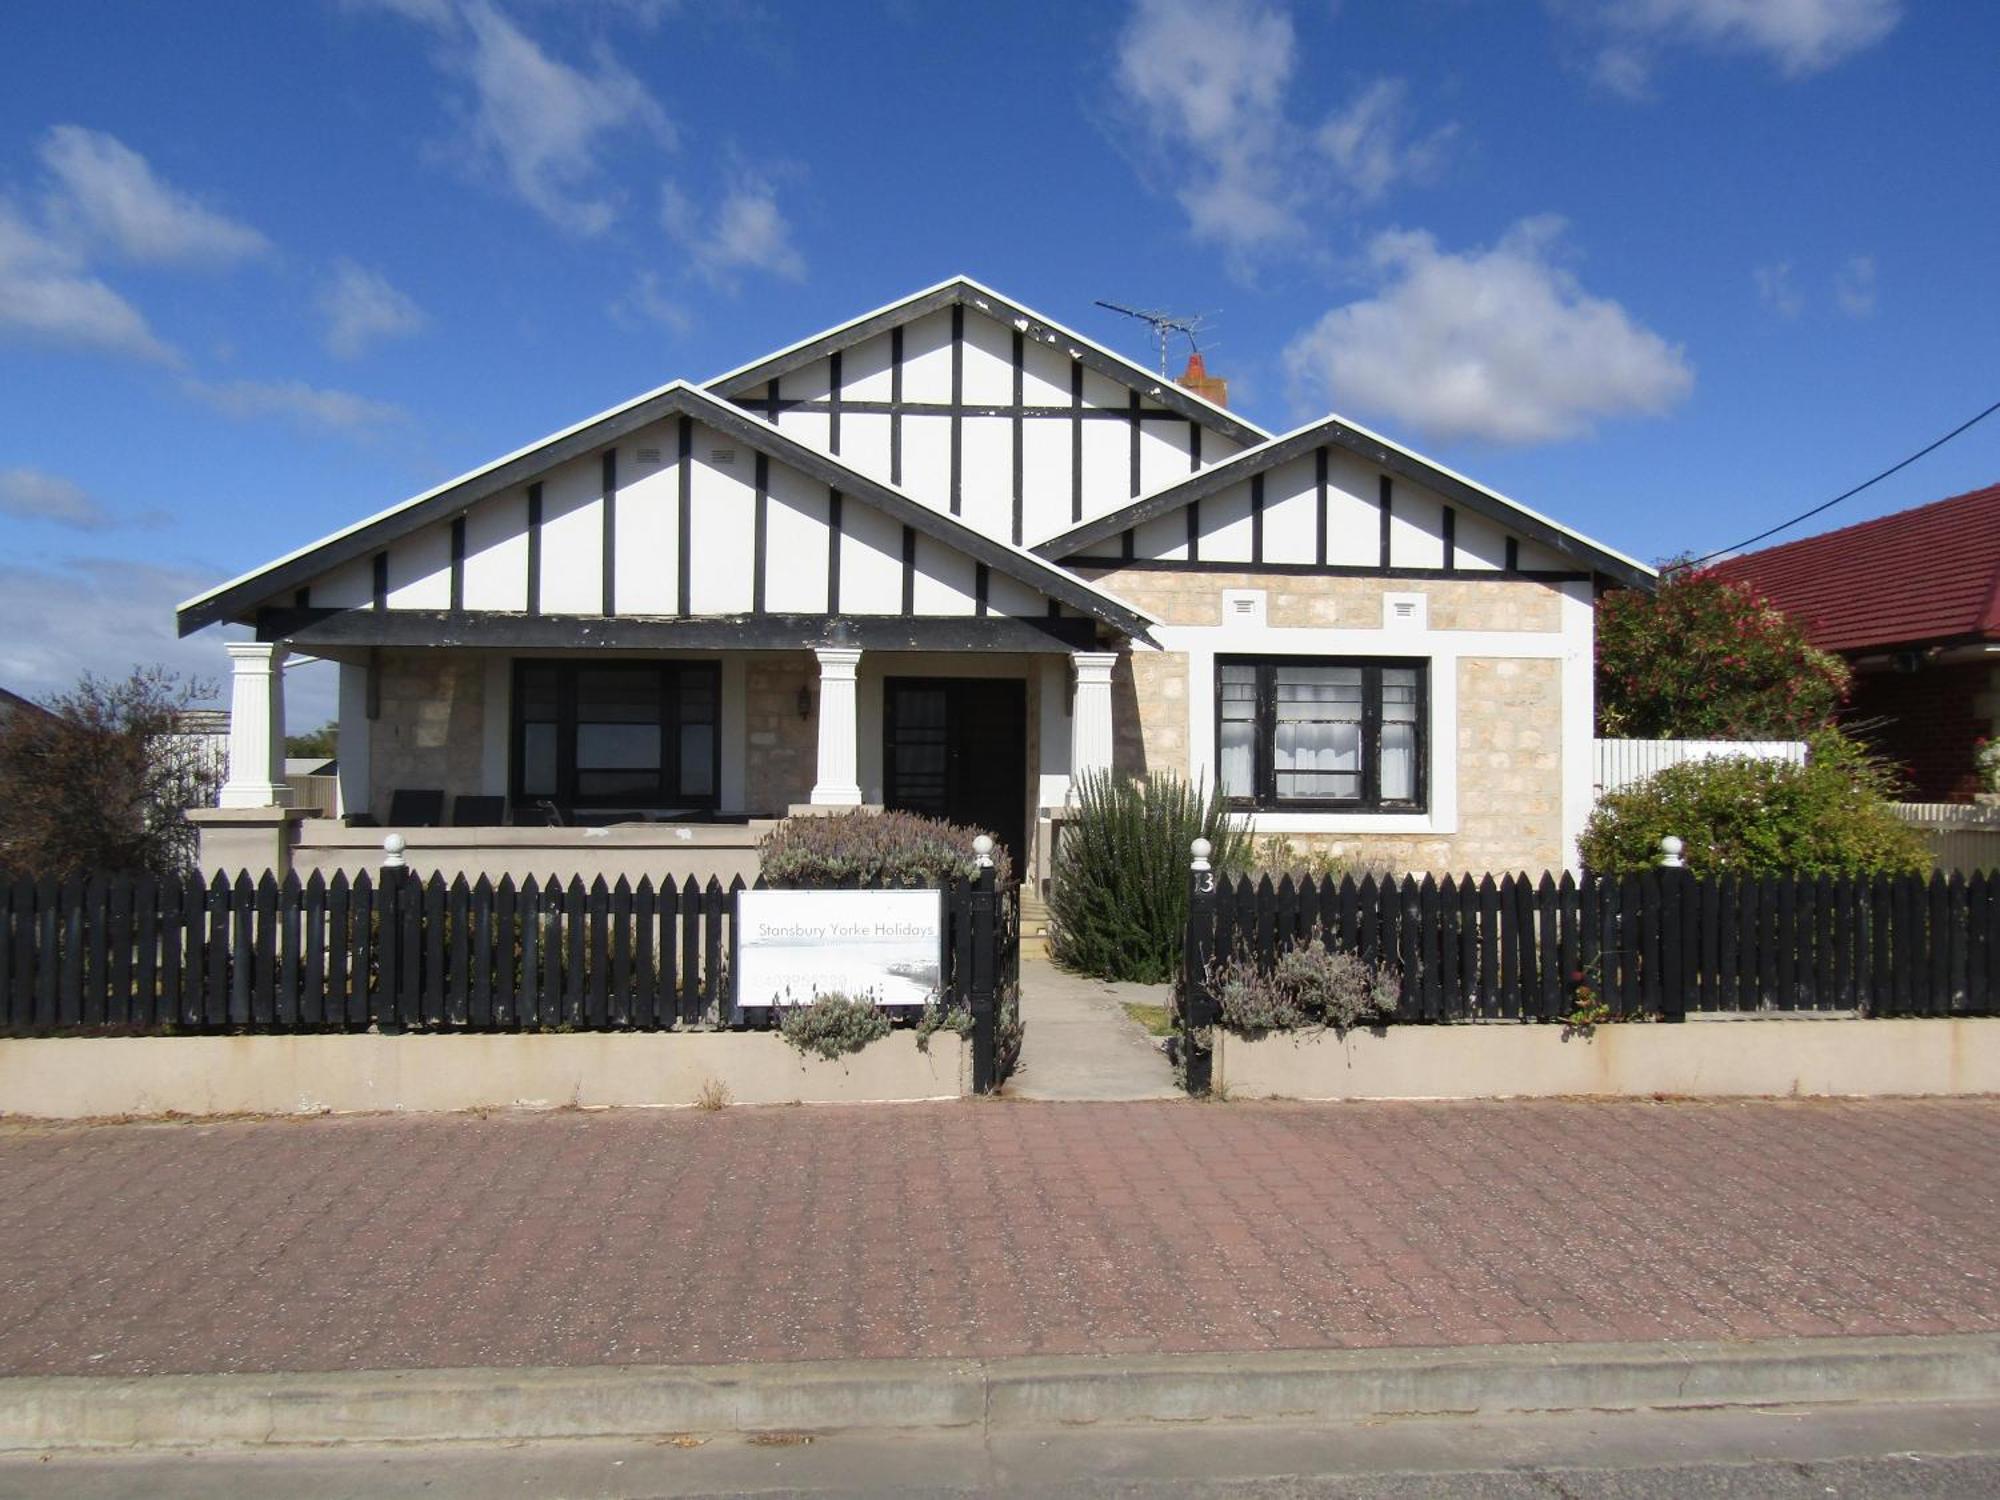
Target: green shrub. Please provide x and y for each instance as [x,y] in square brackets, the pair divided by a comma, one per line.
[1119,902]
[1309,984]
[872,848]
[1755,817]
[833,1026]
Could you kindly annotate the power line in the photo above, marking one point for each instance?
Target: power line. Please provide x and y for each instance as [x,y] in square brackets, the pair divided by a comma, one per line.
[1806,515]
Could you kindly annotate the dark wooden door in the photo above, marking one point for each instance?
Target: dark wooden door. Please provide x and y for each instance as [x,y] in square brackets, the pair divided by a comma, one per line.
[957,748]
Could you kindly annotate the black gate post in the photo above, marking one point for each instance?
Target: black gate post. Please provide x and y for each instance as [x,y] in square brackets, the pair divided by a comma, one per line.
[1672,936]
[982,909]
[389,883]
[1197,1004]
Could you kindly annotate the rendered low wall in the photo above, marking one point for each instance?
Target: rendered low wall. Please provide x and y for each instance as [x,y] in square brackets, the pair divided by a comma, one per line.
[85,1077]
[1719,1058]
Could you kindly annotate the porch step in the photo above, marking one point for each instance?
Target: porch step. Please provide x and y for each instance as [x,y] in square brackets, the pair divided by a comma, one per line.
[1034,925]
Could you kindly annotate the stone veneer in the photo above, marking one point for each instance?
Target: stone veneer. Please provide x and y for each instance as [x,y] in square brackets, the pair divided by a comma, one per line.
[1510,784]
[1494,601]
[431,730]
[781,758]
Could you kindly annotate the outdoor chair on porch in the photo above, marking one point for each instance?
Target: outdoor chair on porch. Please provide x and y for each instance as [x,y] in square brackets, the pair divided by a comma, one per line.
[478,811]
[416,807]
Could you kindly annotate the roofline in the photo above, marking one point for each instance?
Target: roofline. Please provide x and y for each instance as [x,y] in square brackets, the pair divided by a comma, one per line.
[1366,443]
[1043,574]
[964,290]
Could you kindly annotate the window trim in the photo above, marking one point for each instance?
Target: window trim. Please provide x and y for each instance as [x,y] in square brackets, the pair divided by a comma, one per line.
[673,674]
[1265,759]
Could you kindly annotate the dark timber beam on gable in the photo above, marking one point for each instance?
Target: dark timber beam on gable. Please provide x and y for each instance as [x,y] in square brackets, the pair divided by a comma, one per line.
[1078,540]
[961,294]
[692,405]
[495,630]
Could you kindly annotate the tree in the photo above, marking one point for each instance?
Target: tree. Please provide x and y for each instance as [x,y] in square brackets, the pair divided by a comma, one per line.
[104,780]
[1703,658]
[315,744]
[1830,816]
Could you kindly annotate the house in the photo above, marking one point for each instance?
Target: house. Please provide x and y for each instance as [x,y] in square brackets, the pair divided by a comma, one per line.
[1912,601]
[12,703]
[943,557]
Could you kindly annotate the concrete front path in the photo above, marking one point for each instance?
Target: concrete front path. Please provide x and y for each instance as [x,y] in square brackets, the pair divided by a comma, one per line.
[1080,1044]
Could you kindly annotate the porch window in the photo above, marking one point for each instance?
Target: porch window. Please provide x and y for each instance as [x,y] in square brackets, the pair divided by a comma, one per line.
[1310,732]
[607,735]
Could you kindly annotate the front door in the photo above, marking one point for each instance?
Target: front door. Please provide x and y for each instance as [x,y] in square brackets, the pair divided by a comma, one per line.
[957,748]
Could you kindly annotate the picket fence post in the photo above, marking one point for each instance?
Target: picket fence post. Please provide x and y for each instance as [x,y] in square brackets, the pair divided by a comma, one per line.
[1197,1005]
[982,911]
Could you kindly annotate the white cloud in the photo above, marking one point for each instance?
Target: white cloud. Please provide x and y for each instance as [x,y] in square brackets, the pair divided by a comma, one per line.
[46,294]
[747,232]
[105,194]
[1502,344]
[361,307]
[649,302]
[1800,37]
[1854,286]
[543,122]
[1780,294]
[1208,79]
[115,615]
[1370,144]
[313,406]
[34,495]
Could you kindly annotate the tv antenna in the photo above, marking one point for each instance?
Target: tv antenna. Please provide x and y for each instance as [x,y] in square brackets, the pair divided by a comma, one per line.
[1164,325]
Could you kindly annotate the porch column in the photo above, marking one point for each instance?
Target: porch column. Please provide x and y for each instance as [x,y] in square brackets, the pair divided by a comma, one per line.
[839,729]
[1090,714]
[256,727]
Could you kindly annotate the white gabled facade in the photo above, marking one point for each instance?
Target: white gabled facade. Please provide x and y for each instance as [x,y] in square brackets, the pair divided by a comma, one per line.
[945,556]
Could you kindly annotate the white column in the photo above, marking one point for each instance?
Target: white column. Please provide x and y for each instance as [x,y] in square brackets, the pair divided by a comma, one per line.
[839,729]
[1090,714]
[256,727]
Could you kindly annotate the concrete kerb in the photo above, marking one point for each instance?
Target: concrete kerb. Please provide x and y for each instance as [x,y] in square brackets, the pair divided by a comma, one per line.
[507,1405]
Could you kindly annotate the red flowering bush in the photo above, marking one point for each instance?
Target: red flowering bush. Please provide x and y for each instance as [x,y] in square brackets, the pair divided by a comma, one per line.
[1701,658]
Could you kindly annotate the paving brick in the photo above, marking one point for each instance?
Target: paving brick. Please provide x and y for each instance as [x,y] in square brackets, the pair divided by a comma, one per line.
[987,1228]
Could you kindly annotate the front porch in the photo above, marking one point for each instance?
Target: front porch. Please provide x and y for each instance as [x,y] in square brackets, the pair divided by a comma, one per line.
[518,759]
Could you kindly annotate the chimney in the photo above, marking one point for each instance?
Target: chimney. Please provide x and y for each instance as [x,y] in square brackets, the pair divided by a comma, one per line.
[1197,379]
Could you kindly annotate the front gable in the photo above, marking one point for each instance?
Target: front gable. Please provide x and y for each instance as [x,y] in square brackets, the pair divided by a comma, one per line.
[677,508]
[987,411]
[1333,497]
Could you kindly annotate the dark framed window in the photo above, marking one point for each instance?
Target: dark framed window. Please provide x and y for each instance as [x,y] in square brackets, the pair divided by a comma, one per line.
[1317,732]
[617,734]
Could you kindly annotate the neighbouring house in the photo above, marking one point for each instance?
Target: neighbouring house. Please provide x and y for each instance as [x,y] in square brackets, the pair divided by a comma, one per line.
[12,703]
[945,557]
[1912,601]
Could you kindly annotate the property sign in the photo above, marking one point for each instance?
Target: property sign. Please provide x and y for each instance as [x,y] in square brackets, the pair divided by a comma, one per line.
[794,945]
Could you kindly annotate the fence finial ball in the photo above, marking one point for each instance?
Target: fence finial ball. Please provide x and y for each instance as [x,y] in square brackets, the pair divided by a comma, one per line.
[392,852]
[982,851]
[1670,852]
[1201,849]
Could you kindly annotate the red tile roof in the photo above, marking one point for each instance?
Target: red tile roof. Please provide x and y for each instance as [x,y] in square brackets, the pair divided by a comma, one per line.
[1928,574]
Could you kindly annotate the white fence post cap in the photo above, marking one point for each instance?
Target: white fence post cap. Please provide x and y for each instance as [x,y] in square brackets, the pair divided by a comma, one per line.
[392,852]
[1200,849]
[1670,852]
[982,852]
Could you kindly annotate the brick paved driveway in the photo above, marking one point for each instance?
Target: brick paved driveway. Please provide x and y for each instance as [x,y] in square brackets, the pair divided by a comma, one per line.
[986,1228]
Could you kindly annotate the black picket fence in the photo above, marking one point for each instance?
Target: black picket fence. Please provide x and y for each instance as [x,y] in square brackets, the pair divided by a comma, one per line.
[1653,945]
[119,956]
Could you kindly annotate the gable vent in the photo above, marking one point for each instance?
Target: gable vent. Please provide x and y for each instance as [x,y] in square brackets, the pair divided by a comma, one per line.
[1243,606]
[722,455]
[649,455]
[1405,612]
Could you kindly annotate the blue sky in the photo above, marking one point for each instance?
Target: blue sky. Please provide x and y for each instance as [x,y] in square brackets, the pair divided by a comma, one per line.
[1669,270]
